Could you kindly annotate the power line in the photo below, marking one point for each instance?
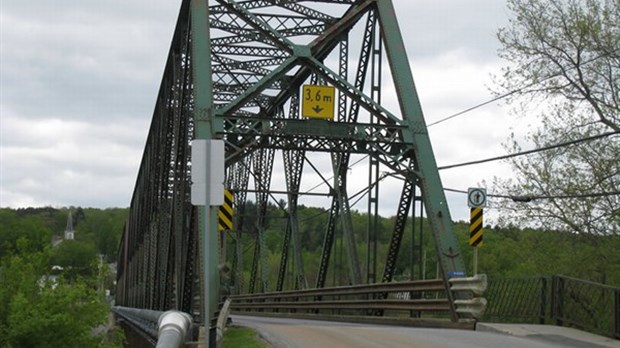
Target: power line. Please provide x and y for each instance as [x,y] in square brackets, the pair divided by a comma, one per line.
[545,148]
[475,107]
[507,94]
[499,97]
[529,198]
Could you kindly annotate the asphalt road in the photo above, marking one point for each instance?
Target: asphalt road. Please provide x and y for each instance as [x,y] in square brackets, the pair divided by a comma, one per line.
[295,333]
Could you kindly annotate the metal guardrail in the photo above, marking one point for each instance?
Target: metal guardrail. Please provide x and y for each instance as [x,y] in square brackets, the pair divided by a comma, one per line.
[169,329]
[558,300]
[345,299]
[422,296]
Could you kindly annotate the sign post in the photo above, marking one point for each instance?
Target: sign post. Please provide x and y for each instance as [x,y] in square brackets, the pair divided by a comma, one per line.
[476,200]
[207,190]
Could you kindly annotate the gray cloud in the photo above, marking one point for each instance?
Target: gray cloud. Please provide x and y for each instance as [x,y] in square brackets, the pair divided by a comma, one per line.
[88,60]
[79,81]
[433,27]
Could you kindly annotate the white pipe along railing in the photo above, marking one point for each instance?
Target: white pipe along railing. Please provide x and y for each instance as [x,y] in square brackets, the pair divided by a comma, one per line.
[173,327]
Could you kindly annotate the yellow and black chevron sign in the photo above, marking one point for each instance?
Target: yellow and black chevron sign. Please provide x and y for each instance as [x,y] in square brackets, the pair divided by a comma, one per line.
[225,213]
[475,228]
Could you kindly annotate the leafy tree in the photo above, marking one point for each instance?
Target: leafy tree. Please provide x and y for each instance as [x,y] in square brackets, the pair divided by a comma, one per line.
[14,226]
[59,316]
[54,219]
[19,273]
[78,216]
[103,228]
[75,257]
[564,59]
[35,312]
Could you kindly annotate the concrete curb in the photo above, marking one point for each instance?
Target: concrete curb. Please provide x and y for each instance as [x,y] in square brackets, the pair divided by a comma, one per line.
[574,337]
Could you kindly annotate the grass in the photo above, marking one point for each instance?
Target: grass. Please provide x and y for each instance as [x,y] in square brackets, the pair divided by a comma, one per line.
[242,337]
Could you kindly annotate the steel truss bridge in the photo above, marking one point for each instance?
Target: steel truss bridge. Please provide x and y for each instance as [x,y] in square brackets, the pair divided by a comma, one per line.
[235,73]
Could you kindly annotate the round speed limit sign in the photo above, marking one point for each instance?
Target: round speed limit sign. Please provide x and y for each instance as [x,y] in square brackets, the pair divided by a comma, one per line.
[476,197]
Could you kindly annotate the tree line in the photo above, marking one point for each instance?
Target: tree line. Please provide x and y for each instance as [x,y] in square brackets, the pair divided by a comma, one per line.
[31,305]
[509,251]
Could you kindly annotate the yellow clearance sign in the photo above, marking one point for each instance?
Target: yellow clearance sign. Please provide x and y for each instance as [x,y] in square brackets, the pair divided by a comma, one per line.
[318,101]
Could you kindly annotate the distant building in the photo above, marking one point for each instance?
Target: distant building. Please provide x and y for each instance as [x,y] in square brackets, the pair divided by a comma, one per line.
[69,233]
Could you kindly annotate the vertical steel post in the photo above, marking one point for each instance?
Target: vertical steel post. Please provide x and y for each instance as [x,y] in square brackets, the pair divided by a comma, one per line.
[412,314]
[438,214]
[446,244]
[475,260]
[373,165]
[617,314]
[558,300]
[421,251]
[205,129]
[543,299]
[412,247]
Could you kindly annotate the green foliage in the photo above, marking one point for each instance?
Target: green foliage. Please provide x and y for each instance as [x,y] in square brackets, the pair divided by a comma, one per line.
[565,50]
[242,337]
[37,310]
[103,228]
[73,253]
[54,219]
[19,274]
[75,257]
[57,316]
[508,252]
[514,252]
[14,226]
[563,64]
[312,226]
[98,228]
[41,308]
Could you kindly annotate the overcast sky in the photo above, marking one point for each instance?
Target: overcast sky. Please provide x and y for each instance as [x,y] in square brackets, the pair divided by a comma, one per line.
[79,81]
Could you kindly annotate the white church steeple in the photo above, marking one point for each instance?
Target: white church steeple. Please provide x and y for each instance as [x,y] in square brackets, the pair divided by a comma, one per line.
[69,233]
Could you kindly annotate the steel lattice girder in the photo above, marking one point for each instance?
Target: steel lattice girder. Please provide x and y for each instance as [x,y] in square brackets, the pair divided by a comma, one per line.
[293,168]
[252,91]
[157,267]
[234,86]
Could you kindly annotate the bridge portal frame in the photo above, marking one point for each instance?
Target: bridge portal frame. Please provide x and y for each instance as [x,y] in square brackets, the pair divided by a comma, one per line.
[235,87]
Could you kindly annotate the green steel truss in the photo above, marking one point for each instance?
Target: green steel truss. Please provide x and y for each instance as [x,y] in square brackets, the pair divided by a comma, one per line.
[262,54]
[235,72]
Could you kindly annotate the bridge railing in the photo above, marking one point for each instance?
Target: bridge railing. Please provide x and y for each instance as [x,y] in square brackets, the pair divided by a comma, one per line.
[522,300]
[352,298]
[586,305]
[558,300]
[395,302]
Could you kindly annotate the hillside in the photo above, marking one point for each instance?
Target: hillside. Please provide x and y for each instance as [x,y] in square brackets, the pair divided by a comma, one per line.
[507,252]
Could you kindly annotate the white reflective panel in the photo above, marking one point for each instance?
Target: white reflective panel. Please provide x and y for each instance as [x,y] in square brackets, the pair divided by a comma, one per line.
[199,172]
[216,171]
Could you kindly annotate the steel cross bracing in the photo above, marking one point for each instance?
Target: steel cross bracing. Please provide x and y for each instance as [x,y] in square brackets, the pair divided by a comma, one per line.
[158,256]
[233,69]
[263,166]
[237,179]
[265,50]
[293,168]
